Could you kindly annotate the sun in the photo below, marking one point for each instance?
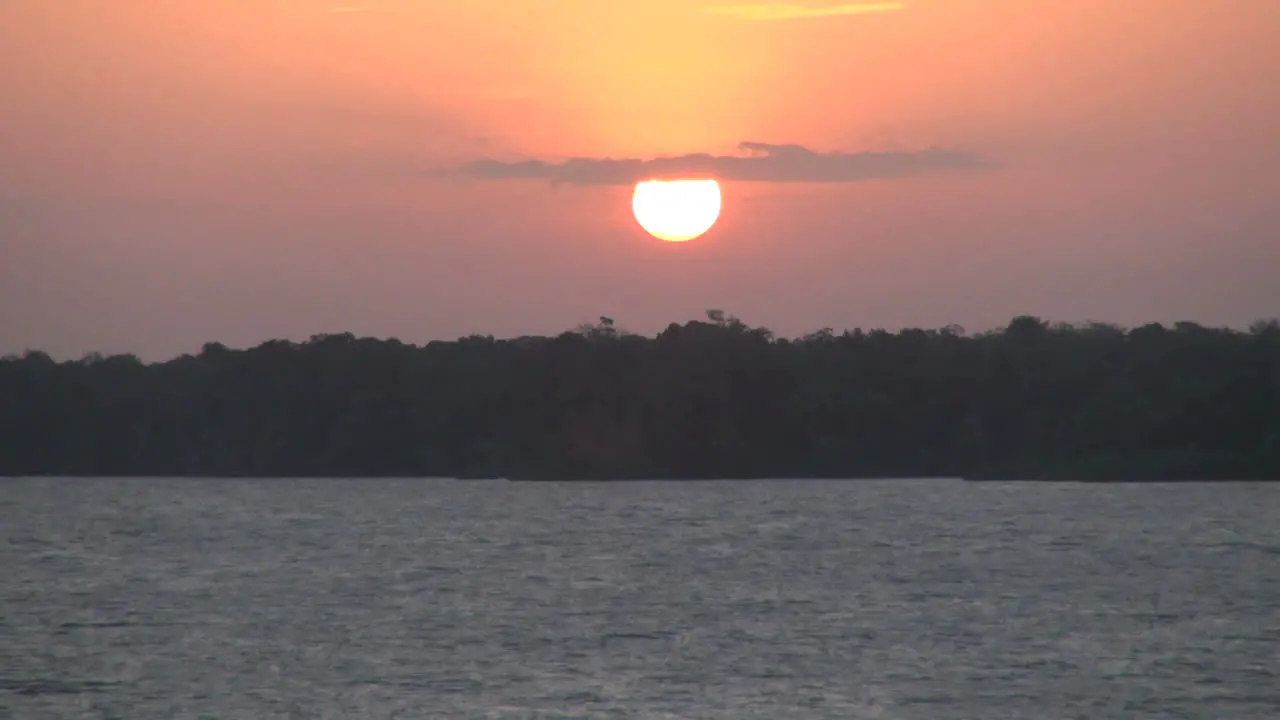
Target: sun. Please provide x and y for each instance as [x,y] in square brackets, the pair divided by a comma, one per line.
[676,210]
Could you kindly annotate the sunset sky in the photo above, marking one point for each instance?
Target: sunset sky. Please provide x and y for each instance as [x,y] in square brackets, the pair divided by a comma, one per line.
[176,172]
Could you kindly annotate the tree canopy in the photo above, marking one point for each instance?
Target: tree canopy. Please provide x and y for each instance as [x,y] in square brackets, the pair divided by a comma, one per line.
[714,398]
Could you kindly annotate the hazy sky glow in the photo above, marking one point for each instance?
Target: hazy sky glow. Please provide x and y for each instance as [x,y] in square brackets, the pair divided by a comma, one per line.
[239,170]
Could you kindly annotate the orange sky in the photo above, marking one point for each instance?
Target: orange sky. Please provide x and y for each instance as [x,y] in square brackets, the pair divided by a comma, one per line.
[237,170]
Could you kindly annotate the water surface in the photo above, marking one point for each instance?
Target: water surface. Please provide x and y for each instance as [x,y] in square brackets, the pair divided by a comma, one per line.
[935,600]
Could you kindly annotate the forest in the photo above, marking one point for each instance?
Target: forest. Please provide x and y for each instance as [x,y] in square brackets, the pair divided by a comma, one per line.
[711,398]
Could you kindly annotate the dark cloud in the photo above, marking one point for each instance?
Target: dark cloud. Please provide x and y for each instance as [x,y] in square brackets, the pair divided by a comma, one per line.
[759,162]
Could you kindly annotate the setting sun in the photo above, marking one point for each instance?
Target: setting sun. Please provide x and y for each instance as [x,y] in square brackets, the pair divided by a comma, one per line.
[676,210]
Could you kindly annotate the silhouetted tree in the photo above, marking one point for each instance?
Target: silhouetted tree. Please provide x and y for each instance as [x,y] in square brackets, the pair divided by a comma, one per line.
[709,398]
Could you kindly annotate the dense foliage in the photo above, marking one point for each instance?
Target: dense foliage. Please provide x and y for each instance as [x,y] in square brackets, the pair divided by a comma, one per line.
[713,399]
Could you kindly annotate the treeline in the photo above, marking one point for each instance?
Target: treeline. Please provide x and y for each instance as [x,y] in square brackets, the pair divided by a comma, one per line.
[707,399]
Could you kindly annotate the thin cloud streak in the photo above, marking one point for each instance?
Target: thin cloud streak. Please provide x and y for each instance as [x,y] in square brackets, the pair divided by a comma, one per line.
[789,11]
[761,162]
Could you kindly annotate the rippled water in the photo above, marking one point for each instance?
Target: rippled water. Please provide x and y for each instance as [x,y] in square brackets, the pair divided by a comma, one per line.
[445,599]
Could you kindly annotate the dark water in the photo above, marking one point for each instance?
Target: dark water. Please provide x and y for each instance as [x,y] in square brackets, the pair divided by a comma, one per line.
[442,599]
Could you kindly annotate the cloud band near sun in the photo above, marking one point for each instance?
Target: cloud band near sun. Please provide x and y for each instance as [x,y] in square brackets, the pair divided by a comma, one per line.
[792,11]
[760,162]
